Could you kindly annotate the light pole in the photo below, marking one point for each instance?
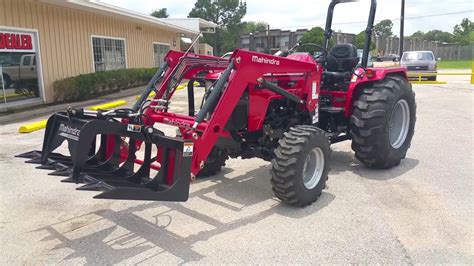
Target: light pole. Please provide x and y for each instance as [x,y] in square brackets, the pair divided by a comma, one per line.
[402,28]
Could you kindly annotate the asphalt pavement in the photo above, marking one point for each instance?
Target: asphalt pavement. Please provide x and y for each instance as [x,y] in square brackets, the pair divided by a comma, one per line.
[418,212]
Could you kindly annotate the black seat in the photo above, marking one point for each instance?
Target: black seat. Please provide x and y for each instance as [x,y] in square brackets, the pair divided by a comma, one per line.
[342,58]
[340,62]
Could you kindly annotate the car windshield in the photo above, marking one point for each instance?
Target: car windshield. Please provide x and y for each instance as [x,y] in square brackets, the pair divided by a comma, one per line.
[414,56]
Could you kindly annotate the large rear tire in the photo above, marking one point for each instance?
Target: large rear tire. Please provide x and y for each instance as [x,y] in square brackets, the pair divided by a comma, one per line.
[301,165]
[383,122]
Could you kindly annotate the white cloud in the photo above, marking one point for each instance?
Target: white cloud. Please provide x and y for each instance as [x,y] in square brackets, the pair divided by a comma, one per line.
[307,13]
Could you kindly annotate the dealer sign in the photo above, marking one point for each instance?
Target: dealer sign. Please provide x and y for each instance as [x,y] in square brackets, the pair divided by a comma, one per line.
[16,42]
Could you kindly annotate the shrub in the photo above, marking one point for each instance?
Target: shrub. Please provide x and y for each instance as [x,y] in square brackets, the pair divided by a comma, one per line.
[96,84]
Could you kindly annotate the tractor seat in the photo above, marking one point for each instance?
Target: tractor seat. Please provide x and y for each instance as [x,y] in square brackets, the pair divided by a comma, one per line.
[342,58]
[340,62]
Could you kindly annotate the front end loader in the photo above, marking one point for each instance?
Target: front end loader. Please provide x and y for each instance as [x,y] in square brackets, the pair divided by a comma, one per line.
[286,108]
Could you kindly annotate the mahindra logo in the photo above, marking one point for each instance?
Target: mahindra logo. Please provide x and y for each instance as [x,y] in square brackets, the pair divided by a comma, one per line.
[176,123]
[264,60]
[70,130]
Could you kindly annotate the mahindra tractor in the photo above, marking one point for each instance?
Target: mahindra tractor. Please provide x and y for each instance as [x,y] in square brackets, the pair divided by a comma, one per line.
[286,109]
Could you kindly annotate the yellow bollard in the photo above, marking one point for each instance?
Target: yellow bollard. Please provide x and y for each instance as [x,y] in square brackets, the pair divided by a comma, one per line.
[180,87]
[32,127]
[28,128]
[108,105]
[472,72]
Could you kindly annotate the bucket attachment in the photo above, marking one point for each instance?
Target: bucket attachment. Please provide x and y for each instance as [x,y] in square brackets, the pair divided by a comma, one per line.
[104,157]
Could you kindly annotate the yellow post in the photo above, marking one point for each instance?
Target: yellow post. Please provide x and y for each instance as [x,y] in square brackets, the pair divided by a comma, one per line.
[472,72]
[419,77]
[108,105]
[32,127]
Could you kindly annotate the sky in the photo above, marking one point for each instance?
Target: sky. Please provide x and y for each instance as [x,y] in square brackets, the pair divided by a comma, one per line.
[349,17]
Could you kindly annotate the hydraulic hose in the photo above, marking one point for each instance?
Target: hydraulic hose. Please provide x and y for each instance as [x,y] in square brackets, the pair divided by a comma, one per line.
[214,96]
[150,87]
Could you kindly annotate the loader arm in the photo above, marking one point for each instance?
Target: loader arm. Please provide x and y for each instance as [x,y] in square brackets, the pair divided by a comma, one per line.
[246,69]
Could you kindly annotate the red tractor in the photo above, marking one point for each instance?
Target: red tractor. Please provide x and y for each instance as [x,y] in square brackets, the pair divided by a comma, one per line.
[286,109]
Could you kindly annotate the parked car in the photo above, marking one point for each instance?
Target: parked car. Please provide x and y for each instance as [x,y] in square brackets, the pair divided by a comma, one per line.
[227,55]
[25,70]
[388,57]
[423,62]
[370,62]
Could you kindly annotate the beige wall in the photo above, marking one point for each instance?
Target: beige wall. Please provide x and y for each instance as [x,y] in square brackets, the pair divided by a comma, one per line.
[206,49]
[65,37]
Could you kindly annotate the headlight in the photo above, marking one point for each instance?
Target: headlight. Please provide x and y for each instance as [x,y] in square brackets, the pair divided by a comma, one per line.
[432,67]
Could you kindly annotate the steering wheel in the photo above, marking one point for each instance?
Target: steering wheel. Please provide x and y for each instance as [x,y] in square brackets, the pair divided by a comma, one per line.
[319,58]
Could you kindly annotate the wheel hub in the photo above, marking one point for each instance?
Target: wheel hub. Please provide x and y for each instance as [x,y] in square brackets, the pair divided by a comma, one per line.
[399,124]
[313,168]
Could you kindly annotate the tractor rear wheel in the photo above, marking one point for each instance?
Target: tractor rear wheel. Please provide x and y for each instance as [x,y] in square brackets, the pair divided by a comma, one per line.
[214,163]
[383,122]
[301,165]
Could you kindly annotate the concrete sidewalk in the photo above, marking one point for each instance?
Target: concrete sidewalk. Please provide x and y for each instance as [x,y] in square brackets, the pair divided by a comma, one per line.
[43,110]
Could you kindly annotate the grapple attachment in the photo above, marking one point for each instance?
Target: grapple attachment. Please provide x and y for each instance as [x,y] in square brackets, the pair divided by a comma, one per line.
[104,157]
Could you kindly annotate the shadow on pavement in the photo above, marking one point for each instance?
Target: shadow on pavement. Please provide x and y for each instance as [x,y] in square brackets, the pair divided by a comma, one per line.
[110,236]
[343,161]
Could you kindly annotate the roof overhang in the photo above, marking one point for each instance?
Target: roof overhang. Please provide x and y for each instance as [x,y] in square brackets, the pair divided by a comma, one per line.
[206,24]
[119,13]
[196,24]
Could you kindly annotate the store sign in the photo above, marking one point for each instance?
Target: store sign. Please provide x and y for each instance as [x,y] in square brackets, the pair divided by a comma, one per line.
[16,42]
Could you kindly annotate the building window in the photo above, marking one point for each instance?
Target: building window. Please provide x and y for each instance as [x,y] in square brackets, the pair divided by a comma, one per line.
[109,53]
[159,51]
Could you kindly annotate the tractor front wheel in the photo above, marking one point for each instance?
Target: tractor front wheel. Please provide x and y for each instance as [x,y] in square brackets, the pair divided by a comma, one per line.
[383,122]
[301,165]
[214,163]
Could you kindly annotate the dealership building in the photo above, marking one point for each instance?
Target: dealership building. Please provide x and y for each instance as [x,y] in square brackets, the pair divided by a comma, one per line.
[42,41]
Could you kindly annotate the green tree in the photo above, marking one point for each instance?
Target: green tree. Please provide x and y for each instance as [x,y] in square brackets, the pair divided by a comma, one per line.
[359,41]
[228,15]
[384,28]
[160,13]
[437,35]
[252,26]
[463,32]
[419,35]
[316,36]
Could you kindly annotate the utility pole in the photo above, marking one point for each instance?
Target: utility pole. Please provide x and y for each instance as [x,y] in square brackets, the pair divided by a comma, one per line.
[402,28]
[268,39]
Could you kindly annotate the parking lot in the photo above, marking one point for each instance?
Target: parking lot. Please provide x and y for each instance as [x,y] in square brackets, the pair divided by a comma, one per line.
[418,212]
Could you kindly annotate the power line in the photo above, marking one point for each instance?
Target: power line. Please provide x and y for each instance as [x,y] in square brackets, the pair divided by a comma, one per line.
[393,19]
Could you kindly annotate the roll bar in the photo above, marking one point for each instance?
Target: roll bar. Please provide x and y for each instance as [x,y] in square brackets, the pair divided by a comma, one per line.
[368,30]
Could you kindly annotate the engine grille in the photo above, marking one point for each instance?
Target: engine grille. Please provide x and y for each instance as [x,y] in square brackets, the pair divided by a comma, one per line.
[417,68]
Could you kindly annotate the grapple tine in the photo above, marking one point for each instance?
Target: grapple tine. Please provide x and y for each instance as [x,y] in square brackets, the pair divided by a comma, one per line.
[73,180]
[93,186]
[46,167]
[29,155]
[34,161]
[61,172]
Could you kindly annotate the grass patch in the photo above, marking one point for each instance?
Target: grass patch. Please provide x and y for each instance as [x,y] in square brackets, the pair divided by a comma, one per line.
[455,64]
